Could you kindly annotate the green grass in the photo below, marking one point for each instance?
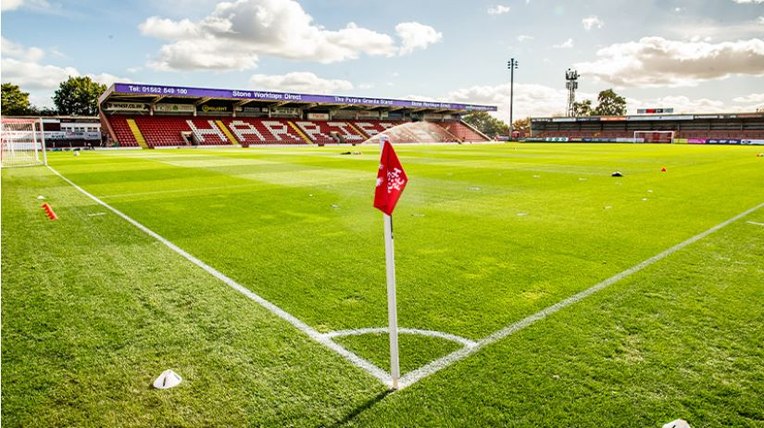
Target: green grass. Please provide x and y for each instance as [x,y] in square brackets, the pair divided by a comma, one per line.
[93,309]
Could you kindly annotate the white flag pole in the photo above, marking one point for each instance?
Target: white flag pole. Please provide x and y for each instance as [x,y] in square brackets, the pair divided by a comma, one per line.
[392,311]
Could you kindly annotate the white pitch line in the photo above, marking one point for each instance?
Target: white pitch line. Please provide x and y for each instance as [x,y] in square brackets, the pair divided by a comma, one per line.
[441,363]
[381,330]
[755,223]
[291,319]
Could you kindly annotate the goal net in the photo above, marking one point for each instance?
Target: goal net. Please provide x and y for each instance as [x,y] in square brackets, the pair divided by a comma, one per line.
[23,142]
[653,136]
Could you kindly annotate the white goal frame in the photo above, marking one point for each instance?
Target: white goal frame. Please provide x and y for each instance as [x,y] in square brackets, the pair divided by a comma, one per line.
[638,139]
[23,142]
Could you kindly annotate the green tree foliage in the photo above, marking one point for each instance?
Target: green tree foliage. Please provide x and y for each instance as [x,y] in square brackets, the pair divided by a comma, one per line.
[583,108]
[610,104]
[78,96]
[522,125]
[15,101]
[487,124]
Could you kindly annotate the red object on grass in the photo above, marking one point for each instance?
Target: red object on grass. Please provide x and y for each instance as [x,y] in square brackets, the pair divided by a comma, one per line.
[49,211]
[391,180]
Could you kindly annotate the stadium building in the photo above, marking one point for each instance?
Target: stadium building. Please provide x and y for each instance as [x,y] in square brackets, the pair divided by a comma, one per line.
[733,128]
[150,116]
[63,132]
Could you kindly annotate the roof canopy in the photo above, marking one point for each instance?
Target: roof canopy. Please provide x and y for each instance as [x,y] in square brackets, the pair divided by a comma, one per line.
[136,92]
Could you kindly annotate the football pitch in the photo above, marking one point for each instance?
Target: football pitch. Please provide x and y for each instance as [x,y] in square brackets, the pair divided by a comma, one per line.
[534,289]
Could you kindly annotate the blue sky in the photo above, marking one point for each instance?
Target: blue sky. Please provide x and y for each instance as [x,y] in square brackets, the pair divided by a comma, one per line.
[692,55]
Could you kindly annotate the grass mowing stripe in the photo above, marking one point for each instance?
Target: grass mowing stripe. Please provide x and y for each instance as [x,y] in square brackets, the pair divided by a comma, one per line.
[435,366]
[311,332]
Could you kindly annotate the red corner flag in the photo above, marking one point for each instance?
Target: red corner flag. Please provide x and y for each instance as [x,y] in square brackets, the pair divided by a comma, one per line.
[391,180]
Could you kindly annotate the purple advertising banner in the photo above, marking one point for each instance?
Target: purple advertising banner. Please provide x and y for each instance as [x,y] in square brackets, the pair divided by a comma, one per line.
[180,91]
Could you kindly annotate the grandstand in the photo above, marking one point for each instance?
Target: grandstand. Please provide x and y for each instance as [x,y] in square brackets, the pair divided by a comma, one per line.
[733,128]
[151,116]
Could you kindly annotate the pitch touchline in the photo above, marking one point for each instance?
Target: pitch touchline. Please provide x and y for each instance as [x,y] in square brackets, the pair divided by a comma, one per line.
[441,363]
[434,366]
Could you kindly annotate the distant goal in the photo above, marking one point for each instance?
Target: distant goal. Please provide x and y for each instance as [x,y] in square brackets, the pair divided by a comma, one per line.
[23,143]
[666,137]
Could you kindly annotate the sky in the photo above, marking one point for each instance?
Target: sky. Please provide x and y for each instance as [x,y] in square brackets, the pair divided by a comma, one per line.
[695,56]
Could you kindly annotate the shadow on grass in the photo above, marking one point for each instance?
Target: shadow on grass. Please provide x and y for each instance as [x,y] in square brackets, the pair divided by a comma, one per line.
[362,408]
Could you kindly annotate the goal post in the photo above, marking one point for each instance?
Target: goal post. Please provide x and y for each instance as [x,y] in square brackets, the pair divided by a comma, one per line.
[666,137]
[23,142]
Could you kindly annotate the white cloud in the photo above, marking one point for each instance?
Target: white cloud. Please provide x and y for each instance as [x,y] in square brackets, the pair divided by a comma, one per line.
[299,82]
[524,38]
[168,29]
[529,99]
[206,53]
[499,9]
[752,98]
[23,66]
[683,104]
[698,39]
[748,1]
[40,5]
[567,44]
[680,104]
[17,51]
[592,22]
[235,34]
[31,75]
[655,61]
[11,4]
[414,35]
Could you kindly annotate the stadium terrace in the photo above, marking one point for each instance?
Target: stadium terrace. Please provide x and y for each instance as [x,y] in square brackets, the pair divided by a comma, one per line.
[148,116]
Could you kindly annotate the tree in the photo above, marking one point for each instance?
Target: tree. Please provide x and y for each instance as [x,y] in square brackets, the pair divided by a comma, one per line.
[486,123]
[78,96]
[610,104]
[15,102]
[522,125]
[583,108]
